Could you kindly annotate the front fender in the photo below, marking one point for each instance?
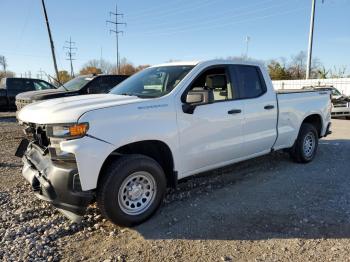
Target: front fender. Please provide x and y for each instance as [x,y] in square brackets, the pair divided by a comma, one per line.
[90,154]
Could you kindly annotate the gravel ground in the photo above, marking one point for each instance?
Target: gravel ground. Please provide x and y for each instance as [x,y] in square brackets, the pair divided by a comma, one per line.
[263,209]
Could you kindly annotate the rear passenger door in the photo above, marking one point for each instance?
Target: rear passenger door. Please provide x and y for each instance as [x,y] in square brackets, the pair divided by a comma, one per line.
[260,109]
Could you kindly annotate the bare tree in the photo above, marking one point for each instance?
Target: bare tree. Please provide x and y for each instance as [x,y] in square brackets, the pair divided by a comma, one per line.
[338,72]
[105,66]
[297,66]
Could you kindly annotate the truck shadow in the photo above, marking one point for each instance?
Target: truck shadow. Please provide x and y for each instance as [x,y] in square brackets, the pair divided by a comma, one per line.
[268,197]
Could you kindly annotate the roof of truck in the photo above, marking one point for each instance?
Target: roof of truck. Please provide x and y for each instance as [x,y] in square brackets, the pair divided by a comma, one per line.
[213,61]
[179,63]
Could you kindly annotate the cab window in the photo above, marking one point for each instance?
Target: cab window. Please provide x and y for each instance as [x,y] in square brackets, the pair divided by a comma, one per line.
[215,79]
[20,85]
[249,81]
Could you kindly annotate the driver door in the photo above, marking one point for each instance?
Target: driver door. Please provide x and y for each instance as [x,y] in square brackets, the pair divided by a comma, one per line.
[212,135]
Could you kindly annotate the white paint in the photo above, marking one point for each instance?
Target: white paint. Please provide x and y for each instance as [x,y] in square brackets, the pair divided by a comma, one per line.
[207,139]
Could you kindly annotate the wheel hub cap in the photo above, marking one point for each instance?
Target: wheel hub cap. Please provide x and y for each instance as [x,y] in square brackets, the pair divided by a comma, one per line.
[137,193]
[309,144]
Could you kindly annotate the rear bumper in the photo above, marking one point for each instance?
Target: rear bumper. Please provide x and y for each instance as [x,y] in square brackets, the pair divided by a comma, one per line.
[56,182]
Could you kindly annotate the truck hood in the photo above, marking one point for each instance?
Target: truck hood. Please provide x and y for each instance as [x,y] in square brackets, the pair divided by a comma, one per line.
[69,109]
[44,94]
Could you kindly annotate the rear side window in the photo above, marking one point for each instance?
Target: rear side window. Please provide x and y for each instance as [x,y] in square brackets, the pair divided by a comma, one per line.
[108,82]
[21,85]
[249,81]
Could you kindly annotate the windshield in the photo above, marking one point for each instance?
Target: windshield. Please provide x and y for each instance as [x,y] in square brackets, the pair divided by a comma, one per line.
[76,83]
[335,92]
[152,82]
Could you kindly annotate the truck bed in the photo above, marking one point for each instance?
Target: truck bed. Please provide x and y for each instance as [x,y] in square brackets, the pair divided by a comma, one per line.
[292,106]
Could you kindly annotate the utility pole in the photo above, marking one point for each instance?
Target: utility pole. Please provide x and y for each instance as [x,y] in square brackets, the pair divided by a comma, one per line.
[247,40]
[101,60]
[311,37]
[41,72]
[116,23]
[70,54]
[51,41]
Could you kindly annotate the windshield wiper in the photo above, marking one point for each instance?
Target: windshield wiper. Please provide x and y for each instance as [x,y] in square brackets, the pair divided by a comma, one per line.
[57,82]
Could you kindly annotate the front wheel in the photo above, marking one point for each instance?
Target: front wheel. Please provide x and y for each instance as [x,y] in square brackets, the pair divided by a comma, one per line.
[305,147]
[131,190]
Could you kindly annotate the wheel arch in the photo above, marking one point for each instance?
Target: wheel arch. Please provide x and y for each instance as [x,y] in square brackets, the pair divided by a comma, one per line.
[315,120]
[155,149]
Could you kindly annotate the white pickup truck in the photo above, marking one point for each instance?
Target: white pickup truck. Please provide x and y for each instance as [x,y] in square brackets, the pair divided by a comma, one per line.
[167,122]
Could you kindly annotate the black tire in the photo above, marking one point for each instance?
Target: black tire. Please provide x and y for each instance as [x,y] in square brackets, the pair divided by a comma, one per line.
[109,191]
[298,153]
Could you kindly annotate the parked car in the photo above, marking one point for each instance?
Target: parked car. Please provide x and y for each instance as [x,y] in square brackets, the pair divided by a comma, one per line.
[11,86]
[81,85]
[340,102]
[163,124]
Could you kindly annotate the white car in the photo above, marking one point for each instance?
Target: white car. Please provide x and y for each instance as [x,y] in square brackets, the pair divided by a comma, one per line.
[167,122]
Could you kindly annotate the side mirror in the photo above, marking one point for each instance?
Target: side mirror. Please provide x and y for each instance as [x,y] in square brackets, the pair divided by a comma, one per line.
[197,97]
[194,98]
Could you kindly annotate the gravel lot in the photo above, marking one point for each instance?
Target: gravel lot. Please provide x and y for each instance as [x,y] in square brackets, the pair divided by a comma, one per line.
[264,209]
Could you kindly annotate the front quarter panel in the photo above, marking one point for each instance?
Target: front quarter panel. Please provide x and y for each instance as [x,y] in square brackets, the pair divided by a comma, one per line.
[114,127]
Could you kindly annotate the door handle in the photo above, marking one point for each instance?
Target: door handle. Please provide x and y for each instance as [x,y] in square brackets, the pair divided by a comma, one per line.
[234,111]
[269,107]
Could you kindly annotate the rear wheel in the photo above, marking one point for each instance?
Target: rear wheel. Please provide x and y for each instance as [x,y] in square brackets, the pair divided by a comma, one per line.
[305,147]
[131,190]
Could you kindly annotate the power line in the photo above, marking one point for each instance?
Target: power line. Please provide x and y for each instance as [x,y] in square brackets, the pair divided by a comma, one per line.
[116,31]
[70,54]
[188,21]
[168,10]
[211,25]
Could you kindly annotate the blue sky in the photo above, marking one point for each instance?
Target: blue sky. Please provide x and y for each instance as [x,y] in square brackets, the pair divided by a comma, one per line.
[158,31]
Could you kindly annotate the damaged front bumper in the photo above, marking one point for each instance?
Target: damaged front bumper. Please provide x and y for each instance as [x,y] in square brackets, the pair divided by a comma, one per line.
[56,182]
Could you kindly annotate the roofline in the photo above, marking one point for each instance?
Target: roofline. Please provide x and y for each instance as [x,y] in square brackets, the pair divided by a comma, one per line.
[212,62]
[178,63]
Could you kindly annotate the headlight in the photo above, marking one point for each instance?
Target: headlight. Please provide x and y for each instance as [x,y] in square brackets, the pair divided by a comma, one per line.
[69,131]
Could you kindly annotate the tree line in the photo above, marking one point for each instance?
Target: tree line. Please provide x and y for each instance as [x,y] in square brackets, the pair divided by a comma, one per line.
[101,66]
[279,68]
[295,68]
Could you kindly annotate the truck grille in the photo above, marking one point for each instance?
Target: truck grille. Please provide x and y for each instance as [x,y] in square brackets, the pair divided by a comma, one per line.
[340,104]
[20,103]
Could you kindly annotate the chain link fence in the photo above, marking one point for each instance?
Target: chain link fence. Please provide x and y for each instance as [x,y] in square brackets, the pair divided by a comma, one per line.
[342,84]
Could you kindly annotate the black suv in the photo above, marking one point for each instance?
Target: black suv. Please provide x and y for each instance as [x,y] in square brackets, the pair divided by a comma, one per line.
[11,86]
[81,85]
